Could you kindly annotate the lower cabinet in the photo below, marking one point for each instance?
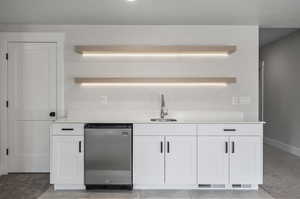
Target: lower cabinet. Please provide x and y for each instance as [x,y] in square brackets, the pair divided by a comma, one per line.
[246,160]
[68,161]
[235,160]
[171,156]
[213,160]
[165,160]
[181,160]
[148,160]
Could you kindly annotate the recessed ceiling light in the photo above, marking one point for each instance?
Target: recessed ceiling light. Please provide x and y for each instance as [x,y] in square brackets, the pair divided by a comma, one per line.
[131,0]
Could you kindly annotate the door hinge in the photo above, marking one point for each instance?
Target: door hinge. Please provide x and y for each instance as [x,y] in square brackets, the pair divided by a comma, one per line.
[6,56]
[7,151]
[7,104]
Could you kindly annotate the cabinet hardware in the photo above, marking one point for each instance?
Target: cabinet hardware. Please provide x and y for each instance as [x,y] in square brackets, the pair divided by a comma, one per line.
[229,129]
[79,146]
[161,147]
[7,151]
[6,56]
[168,147]
[232,147]
[226,147]
[7,104]
[67,129]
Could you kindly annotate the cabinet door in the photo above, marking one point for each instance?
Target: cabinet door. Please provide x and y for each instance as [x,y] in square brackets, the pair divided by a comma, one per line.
[246,160]
[181,160]
[148,160]
[213,159]
[68,160]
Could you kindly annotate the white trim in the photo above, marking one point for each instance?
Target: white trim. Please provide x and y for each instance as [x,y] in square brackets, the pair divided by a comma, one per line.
[69,187]
[283,146]
[6,37]
[189,187]
[164,187]
[3,109]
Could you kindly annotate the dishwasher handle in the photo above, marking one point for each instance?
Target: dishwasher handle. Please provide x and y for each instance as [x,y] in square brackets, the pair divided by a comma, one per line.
[107,132]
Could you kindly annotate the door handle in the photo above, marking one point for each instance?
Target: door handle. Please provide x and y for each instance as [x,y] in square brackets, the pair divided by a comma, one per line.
[168,147]
[52,114]
[161,147]
[226,147]
[232,147]
[79,145]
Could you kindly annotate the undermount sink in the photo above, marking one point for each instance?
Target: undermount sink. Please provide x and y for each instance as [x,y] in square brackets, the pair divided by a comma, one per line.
[163,120]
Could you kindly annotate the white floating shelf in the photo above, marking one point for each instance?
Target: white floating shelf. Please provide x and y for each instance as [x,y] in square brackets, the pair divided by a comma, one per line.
[155,81]
[156,51]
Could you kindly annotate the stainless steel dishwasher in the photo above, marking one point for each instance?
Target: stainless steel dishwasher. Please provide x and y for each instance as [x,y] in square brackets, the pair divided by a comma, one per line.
[108,156]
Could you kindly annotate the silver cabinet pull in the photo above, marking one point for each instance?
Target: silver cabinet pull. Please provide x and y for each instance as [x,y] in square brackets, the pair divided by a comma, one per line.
[226,147]
[161,147]
[232,147]
[168,147]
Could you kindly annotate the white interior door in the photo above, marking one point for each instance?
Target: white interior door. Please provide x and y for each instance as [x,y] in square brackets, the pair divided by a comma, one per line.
[32,96]
[213,159]
[148,160]
[245,160]
[181,160]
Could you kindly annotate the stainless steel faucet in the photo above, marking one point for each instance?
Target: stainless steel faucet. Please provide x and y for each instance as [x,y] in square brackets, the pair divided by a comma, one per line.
[163,109]
[163,112]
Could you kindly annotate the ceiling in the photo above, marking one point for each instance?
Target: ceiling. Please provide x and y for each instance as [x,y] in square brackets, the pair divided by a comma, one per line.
[269,35]
[266,13]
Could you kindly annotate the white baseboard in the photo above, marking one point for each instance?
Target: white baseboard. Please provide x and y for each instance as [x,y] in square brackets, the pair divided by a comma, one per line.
[283,146]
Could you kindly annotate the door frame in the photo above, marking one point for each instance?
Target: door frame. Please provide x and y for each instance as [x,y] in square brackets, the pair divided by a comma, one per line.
[5,38]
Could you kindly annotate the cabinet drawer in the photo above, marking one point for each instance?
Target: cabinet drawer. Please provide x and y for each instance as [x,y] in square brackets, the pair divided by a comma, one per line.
[165,129]
[67,129]
[230,129]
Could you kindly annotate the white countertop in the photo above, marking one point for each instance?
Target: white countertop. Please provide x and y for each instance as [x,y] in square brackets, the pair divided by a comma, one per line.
[149,122]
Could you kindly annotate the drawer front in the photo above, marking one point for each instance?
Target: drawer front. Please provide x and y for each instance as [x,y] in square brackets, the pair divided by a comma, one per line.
[230,129]
[68,129]
[165,129]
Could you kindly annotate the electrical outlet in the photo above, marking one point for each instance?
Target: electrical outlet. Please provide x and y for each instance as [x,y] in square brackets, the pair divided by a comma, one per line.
[103,99]
[244,100]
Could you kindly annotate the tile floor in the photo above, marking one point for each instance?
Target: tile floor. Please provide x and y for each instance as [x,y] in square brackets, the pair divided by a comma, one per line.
[23,186]
[281,181]
[197,194]
[281,173]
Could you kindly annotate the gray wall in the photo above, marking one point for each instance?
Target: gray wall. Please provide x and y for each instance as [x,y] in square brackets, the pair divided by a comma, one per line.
[281,89]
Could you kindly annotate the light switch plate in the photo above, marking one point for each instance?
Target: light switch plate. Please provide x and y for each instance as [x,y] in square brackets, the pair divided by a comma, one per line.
[244,100]
[235,100]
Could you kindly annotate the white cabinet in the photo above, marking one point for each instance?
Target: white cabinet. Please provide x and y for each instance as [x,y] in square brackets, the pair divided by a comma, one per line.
[148,156]
[181,160]
[213,159]
[235,160]
[68,164]
[246,160]
[165,160]
[67,156]
[171,156]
